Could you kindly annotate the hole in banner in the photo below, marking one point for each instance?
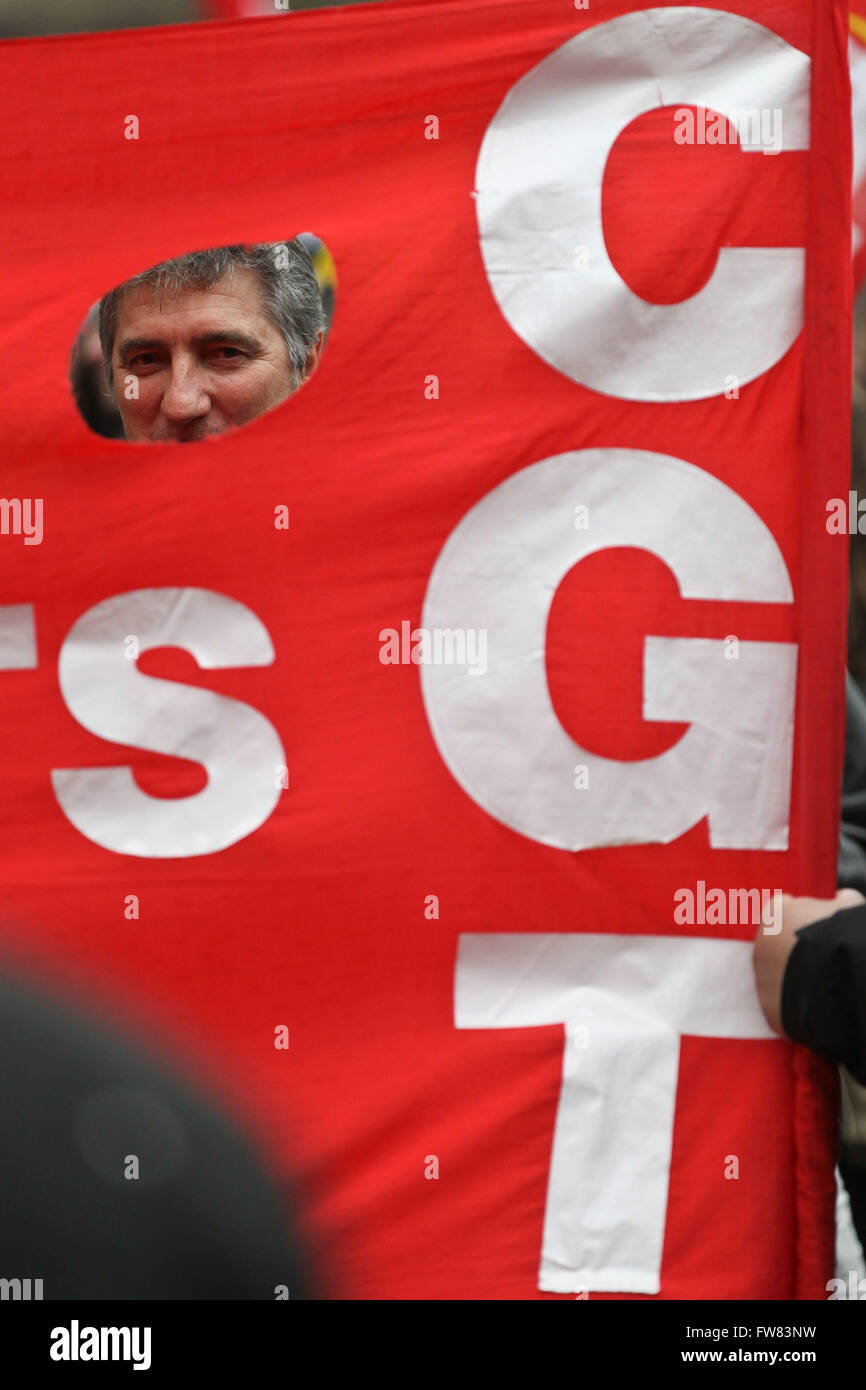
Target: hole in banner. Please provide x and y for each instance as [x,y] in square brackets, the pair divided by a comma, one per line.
[204,343]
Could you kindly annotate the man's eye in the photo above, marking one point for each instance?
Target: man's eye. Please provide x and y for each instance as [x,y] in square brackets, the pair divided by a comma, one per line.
[226,354]
[142,359]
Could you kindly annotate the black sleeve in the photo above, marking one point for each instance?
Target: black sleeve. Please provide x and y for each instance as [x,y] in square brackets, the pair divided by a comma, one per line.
[852,837]
[824,989]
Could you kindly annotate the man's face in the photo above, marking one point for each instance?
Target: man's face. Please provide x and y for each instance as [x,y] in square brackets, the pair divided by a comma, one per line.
[205,361]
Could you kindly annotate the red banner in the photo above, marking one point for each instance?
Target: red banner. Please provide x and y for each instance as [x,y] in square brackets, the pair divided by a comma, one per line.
[481,696]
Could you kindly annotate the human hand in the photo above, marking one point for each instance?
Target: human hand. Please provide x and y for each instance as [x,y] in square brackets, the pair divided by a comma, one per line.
[777,938]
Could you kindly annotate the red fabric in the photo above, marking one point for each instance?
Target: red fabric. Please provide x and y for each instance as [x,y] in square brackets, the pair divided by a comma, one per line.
[254,131]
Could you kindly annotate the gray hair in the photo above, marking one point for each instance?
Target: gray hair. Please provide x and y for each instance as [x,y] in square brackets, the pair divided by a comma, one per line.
[292,298]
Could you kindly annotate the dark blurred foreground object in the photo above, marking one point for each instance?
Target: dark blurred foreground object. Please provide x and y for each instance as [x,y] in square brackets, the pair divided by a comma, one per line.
[82,1112]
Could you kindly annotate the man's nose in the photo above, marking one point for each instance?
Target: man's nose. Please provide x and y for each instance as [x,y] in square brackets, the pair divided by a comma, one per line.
[186,396]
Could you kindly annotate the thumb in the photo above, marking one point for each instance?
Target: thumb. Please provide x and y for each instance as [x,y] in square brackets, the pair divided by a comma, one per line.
[848,897]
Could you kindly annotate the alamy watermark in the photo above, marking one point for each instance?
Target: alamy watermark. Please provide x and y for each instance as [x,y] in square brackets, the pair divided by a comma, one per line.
[758,128]
[855,1288]
[21,1290]
[716,907]
[77,1343]
[846,517]
[22,516]
[438,646]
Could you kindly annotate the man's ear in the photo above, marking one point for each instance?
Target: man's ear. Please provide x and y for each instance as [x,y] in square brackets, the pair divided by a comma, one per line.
[314,354]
